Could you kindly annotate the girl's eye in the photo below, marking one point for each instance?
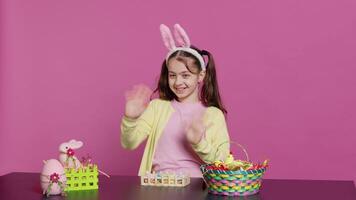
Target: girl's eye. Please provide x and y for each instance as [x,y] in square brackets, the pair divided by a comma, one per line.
[172,75]
[186,75]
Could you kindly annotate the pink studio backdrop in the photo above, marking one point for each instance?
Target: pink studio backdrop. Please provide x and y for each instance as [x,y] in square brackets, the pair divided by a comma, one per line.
[286,72]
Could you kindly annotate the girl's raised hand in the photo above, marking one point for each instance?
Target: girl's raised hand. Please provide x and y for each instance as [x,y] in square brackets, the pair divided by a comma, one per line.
[195,129]
[137,100]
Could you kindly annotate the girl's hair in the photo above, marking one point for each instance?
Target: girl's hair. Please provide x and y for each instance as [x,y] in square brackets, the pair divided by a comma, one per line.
[209,94]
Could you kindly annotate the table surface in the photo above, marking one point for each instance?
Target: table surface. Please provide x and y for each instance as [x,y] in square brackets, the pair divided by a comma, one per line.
[16,186]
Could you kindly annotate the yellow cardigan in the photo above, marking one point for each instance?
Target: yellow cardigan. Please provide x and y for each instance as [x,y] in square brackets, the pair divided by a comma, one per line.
[214,145]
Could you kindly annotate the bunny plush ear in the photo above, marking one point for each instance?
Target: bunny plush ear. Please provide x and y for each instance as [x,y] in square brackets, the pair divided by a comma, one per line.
[167,37]
[73,144]
[181,36]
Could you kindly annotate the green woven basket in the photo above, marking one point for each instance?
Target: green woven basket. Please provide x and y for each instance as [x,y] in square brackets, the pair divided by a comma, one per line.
[85,178]
[233,182]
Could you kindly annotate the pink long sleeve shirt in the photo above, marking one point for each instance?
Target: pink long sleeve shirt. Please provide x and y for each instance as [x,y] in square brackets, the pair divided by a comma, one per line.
[174,152]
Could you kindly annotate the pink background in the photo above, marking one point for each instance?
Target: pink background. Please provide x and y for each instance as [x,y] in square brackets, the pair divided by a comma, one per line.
[286,69]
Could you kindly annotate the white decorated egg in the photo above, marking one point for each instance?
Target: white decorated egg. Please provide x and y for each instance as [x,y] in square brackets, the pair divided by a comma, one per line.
[53,178]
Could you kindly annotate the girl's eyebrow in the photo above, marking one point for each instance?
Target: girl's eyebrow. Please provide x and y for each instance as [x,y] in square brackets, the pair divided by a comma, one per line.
[183,72]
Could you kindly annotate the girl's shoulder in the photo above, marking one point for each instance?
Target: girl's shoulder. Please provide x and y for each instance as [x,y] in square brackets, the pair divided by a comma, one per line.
[159,102]
[214,111]
[214,114]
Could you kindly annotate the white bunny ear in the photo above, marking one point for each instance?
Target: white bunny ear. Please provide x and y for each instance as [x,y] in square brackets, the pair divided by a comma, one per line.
[75,144]
[181,36]
[167,37]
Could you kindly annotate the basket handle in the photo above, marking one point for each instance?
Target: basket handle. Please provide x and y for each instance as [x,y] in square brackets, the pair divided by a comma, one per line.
[235,143]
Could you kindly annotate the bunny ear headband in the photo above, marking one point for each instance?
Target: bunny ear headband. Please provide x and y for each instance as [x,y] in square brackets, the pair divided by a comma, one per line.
[182,40]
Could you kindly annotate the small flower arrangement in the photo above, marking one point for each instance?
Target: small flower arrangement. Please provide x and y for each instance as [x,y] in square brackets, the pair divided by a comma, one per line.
[69,173]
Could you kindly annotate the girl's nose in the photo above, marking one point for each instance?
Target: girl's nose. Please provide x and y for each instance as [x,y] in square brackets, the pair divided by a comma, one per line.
[178,81]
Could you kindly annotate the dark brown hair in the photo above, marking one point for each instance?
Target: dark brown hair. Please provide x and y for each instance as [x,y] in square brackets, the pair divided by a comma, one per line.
[209,94]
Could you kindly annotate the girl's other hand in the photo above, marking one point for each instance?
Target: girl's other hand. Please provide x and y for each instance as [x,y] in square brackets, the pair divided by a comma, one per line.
[137,100]
[196,129]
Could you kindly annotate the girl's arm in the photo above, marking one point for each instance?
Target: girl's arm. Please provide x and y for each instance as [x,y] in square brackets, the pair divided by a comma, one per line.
[215,143]
[135,131]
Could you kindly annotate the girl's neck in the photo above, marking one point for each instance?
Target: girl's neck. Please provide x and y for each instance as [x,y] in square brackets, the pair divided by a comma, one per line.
[187,102]
[191,100]
[187,106]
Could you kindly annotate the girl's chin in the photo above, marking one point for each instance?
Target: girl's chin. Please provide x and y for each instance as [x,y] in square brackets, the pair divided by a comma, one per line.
[180,93]
[181,96]
[184,98]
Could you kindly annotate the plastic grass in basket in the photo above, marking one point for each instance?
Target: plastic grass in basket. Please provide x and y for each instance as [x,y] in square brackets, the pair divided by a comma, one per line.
[234,177]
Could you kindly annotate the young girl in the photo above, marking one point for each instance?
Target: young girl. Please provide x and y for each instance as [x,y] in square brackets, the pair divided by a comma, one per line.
[186,126]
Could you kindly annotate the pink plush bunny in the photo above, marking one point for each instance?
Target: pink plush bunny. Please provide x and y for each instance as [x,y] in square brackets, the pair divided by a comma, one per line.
[67,155]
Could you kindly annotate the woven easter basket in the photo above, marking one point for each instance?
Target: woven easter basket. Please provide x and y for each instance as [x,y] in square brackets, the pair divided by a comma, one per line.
[233,182]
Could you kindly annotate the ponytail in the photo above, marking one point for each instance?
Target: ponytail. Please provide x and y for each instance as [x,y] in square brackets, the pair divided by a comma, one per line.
[210,95]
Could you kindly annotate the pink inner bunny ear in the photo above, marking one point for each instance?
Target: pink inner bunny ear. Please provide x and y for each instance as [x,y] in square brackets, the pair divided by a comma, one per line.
[181,36]
[167,37]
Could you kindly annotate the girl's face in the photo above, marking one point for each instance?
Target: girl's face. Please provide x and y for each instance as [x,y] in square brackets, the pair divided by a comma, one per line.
[183,83]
